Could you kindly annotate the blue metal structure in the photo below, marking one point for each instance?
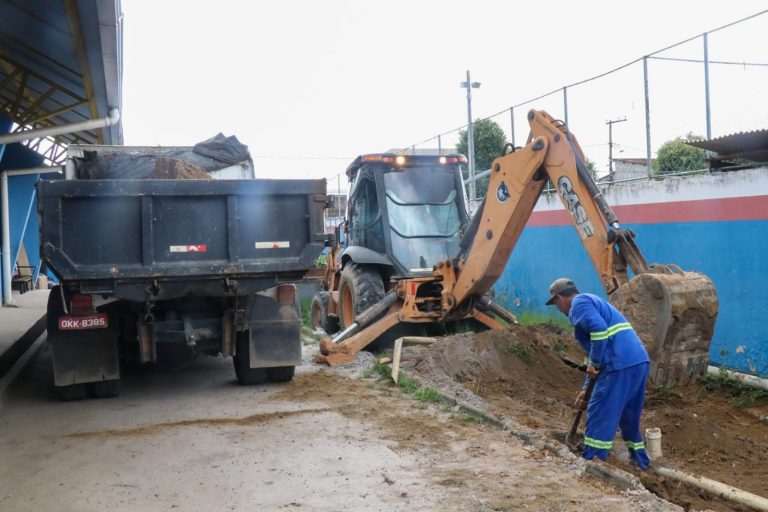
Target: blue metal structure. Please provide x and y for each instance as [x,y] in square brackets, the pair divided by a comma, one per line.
[60,63]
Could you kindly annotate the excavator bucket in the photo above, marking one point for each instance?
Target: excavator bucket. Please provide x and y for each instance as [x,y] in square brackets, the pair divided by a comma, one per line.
[674,313]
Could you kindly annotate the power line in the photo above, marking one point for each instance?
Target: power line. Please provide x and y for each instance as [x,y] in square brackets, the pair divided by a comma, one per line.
[699,61]
[601,75]
[268,157]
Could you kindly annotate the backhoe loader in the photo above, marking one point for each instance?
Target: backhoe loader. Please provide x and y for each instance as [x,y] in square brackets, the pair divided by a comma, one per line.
[430,266]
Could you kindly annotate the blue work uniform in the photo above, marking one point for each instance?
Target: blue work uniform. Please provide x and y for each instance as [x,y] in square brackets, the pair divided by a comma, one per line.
[617,399]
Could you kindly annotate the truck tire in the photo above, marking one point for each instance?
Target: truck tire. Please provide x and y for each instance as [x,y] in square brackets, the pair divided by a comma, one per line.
[246,375]
[319,314]
[105,388]
[281,373]
[71,392]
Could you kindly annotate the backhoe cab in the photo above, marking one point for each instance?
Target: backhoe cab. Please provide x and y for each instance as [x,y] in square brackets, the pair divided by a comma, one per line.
[405,213]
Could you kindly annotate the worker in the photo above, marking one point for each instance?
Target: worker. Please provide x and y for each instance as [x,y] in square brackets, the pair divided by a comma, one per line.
[619,362]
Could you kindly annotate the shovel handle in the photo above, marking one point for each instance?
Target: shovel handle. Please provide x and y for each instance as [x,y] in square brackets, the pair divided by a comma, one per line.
[577,419]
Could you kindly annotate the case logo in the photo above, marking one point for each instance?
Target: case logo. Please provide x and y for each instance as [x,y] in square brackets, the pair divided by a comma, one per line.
[502,194]
[578,213]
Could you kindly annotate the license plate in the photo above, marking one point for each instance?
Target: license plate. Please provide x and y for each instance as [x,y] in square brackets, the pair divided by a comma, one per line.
[95,321]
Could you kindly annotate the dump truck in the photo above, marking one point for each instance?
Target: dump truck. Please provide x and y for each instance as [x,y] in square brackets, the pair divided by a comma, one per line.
[163,270]
[412,258]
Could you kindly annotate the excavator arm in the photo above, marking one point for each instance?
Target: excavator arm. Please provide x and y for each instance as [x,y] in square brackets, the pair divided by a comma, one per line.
[517,180]
[673,311]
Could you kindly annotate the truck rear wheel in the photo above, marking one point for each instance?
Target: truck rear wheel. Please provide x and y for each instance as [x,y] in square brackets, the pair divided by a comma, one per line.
[281,373]
[319,314]
[105,388]
[83,355]
[242,360]
[72,392]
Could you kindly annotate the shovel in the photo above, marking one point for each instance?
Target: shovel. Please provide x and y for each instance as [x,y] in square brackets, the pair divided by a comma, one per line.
[570,439]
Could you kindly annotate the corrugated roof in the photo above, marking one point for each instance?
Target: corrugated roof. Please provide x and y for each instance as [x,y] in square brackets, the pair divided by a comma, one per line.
[60,63]
[749,145]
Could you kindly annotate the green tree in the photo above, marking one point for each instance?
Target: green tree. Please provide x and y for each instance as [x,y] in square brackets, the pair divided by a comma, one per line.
[489,143]
[677,156]
[591,168]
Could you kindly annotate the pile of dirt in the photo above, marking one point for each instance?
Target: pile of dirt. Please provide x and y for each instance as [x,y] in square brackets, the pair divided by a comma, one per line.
[519,372]
[172,169]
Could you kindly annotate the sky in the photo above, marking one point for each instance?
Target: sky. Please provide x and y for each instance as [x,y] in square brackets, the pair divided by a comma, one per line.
[309,85]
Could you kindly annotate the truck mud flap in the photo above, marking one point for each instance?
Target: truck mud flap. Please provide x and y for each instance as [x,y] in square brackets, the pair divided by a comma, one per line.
[86,358]
[276,342]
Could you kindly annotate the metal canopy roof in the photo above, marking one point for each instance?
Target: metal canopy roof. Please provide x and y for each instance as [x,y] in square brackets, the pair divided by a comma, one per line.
[60,63]
[750,145]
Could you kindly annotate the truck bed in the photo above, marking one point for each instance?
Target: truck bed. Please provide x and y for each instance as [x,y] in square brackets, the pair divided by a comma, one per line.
[117,236]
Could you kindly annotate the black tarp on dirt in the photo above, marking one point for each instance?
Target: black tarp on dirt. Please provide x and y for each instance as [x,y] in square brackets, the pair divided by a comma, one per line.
[174,163]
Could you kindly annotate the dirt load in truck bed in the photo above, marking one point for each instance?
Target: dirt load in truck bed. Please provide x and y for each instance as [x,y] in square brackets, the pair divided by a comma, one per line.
[520,374]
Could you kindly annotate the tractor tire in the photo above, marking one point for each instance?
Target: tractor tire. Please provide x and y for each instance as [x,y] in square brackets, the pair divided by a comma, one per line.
[246,375]
[319,314]
[360,287]
[281,373]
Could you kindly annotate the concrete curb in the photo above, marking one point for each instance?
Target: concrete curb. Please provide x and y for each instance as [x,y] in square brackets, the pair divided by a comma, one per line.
[17,349]
[21,363]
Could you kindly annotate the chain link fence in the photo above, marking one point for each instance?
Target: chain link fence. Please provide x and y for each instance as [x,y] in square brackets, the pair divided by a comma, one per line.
[709,85]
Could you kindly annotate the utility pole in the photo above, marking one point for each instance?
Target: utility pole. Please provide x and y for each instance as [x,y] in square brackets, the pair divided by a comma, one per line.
[610,141]
[469,85]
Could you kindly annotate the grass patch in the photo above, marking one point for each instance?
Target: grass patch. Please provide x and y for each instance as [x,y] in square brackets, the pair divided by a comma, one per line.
[381,371]
[407,384]
[428,394]
[306,313]
[741,394]
[532,318]
[520,351]
[471,417]
[667,392]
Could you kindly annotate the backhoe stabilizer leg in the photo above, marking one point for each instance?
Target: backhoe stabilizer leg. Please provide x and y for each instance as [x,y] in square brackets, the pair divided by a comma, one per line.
[334,354]
[488,321]
[493,307]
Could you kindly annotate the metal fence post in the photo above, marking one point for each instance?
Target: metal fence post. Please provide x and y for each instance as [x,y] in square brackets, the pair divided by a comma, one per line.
[706,86]
[565,105]
[512,123]
[649,162]
[439,145]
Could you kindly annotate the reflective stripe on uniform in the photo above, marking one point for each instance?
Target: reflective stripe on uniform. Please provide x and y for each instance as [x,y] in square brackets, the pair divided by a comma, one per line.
[635,445]
[596,443]
[604,335]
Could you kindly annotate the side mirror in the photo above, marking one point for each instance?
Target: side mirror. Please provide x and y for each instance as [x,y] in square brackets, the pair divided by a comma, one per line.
[341,233]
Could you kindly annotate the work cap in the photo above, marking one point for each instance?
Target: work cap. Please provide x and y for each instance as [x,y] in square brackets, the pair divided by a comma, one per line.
[559,286]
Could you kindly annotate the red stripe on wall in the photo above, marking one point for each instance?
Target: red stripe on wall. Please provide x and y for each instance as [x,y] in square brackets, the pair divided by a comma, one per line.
[703,210]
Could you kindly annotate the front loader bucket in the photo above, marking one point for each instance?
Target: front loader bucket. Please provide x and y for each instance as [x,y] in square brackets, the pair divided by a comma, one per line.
[674,313]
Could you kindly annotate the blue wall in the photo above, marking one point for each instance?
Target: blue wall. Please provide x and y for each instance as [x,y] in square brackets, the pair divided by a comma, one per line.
[731,253]
[20,190]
